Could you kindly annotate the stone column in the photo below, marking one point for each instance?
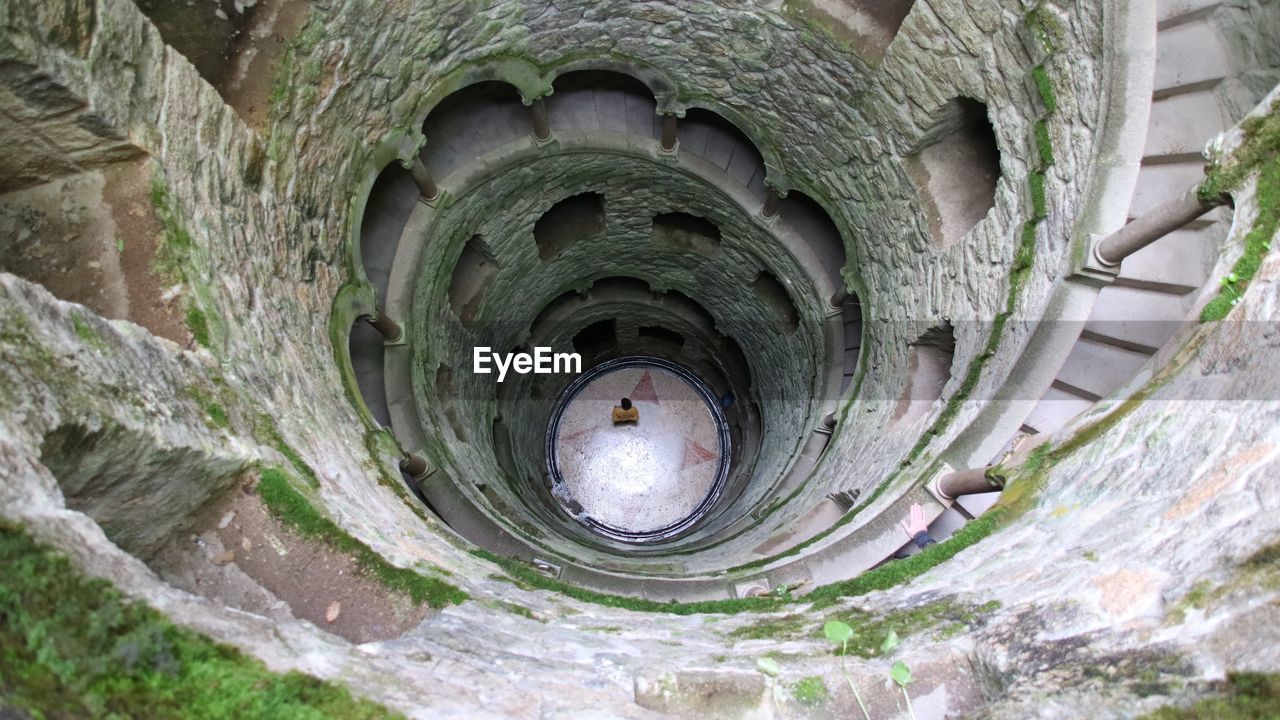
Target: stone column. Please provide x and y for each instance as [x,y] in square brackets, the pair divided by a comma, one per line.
[422,178]
[541,122]
[839,298]
[769,210]
[388,328]
[1153,225]
[416,467]
[969,482]
[670,132]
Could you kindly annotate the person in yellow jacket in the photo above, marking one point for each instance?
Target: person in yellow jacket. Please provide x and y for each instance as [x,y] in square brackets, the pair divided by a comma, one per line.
[626,412]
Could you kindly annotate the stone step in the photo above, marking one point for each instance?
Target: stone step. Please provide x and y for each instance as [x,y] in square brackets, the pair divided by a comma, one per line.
[1161,183]
[1188,56]
[1136,318]
[611,109]
[1094,369]
[573,110]
[1175,12]
[1055,409]
[1181,125]
[459,135]
[642,117]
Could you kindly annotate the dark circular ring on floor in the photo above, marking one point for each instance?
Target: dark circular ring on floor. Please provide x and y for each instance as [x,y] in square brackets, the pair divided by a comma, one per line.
[640,482]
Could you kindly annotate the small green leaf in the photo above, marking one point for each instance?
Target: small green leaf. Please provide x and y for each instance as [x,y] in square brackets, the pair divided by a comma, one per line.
[837,632]
[1233,277]
[901,674]
[768,666]
[120,244]
[891,641]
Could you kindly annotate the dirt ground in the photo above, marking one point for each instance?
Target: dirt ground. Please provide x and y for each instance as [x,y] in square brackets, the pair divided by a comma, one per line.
[240,555]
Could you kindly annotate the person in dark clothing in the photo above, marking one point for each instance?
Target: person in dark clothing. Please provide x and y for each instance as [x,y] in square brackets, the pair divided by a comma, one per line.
[626,412]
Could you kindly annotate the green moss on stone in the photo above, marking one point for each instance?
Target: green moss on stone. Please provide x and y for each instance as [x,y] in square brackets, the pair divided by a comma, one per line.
[1257,243]
[1244,696]
[265,432]
[531,578]
[86,333]
[215,415]
[198,324]
[293,509]
[809,691]
[769,628]
[1044,86]
[1047,28]
[1259,153]
[1039,203]
[1044,146]
[178,243]
[72,646]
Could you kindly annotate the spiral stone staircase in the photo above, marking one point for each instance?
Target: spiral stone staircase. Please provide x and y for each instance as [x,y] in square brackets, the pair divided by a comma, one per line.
[941,254]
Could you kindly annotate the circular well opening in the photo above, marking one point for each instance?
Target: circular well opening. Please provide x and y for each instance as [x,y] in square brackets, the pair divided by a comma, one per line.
[641,480]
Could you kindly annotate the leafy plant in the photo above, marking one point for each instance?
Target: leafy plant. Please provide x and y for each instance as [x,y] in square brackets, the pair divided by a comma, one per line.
[901,675]
[840,634]
[891,641]
[768,666]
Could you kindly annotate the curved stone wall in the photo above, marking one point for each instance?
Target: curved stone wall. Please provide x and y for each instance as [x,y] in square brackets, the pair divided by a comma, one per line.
[1129,563]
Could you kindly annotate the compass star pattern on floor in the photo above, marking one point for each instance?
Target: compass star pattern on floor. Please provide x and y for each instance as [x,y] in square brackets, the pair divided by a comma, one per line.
[642,476]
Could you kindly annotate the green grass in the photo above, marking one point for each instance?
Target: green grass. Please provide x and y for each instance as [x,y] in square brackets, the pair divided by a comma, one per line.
[294,510]
[74,647]
[1244,696]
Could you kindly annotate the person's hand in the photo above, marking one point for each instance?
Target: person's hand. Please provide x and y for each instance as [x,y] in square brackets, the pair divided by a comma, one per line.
[915,522]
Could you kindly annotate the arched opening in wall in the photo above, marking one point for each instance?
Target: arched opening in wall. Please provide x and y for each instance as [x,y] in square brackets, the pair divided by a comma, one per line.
[472,275]
[446,394]
[603,100]
[502,446]
[560,304]
[138,488]
[929,361]
[955,168]
[90,232]
[682,231]
[386,212]
[851,317]
[690,307]
[235,46]
[603,288]
[471,122]
[708,135]
[365,347]
[596,339]
[660,334]
[814,225]
[575,218]
[767,287]
[867,26]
